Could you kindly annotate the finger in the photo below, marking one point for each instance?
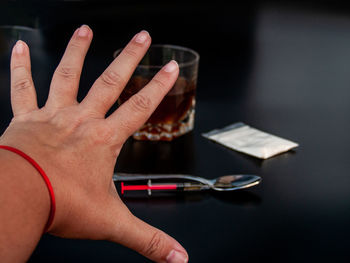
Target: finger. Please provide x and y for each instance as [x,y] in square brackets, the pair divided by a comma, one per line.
[147,240]
[65,81]
[137,109]
[23,95]
[110,84]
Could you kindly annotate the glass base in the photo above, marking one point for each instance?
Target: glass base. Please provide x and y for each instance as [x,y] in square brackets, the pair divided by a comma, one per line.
[165,132]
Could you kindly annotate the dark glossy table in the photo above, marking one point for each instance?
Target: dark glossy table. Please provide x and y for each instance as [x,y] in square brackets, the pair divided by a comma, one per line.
[294,82]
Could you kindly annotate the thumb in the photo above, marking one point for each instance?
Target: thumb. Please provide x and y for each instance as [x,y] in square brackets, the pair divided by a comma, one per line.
[147,240]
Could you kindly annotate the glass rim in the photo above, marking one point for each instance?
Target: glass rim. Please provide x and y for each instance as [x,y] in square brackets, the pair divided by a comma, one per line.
[27,28]
[181,65]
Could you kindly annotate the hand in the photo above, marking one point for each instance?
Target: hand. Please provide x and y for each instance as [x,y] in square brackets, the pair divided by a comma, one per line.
[77,146]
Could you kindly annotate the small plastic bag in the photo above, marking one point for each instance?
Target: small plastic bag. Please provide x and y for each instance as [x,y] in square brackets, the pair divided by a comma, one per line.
[248,140]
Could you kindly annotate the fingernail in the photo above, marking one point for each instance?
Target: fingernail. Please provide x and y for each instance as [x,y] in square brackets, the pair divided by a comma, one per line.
[83,31]
[176,257]
[171,66]
[141,37]
[19,47]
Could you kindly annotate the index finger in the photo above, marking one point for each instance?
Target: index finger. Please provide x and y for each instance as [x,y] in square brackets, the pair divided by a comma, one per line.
[136,110]
[65,81]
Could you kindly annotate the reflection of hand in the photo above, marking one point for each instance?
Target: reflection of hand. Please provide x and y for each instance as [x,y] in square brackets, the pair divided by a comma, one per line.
[77,146]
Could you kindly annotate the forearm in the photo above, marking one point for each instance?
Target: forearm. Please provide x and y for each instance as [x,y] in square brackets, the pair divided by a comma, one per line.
[25,206]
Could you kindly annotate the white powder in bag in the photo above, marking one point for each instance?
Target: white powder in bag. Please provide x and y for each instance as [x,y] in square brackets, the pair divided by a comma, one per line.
[245,139]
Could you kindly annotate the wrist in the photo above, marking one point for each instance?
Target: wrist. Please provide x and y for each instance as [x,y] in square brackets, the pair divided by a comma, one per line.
[25,205]
[41,154]
[24,183]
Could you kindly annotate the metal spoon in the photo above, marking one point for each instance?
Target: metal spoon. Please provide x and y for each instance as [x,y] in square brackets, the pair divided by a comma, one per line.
[182,182]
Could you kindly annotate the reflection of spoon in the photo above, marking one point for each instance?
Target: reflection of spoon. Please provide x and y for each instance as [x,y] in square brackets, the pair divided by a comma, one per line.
[180,182]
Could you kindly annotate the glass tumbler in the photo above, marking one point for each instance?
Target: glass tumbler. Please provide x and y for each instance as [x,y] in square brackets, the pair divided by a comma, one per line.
[175,114]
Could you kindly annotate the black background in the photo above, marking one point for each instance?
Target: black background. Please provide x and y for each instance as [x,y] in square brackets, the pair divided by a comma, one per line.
[280,66]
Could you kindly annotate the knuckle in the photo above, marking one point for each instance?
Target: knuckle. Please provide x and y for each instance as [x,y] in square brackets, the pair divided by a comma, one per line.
[102,134]
[21,118]
[131,52]
[19,67]
[140,102]
[111,78]
[155,244]
[22,85]
[75,45]
[128,127]
[159,84]
[67,72]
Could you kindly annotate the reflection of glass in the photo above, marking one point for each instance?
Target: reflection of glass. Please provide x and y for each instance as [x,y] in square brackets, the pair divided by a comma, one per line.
[177,157]
[10,34]
[175,115]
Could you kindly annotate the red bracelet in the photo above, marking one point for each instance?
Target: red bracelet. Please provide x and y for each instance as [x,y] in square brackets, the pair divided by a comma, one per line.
[44,176]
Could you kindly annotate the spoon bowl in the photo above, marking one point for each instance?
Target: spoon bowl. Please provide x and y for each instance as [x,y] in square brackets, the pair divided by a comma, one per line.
[234,182]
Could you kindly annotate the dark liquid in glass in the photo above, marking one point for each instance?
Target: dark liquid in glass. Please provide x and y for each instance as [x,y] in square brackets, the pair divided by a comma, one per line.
[172,111]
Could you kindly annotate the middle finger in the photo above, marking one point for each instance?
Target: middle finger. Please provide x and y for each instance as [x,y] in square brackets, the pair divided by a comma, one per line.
[107,88]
